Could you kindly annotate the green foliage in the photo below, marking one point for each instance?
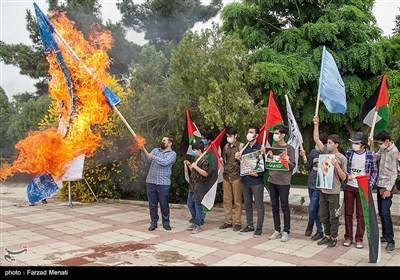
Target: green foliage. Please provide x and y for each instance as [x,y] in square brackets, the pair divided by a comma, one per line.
[6,111]
[164,22]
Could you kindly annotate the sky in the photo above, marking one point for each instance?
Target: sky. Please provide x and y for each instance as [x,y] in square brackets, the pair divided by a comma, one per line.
[13,31]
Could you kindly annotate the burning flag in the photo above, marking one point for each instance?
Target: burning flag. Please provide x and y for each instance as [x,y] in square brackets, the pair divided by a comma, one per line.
[370,219]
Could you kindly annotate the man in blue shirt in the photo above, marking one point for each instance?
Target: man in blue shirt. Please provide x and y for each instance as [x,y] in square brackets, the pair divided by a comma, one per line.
[158,181]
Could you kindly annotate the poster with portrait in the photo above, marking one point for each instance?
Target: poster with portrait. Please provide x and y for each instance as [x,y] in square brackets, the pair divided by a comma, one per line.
[325,171]
[274,159]
[252,161]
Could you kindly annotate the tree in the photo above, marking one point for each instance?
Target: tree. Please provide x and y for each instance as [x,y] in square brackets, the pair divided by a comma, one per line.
[285,39]
[166,21]
[6,112]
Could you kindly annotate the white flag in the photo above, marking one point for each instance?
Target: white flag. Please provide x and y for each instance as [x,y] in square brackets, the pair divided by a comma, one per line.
[295,138]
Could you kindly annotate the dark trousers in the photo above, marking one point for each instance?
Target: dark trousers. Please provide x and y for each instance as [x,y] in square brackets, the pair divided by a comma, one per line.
[258,192]
[158,194]
[280,194]
[329,212]
[351,197]
[386,217]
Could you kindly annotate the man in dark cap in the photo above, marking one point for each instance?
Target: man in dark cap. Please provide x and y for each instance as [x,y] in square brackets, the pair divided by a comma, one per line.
[360,162]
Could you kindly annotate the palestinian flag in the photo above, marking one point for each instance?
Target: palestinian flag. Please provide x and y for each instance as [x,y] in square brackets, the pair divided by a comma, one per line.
[378,102]
[191,134]
[273,118]
[370,219]
[209,186]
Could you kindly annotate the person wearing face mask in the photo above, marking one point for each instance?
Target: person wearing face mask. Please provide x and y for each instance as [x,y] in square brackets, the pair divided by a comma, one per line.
[329,205]
[207,136]
[387,175]
[231,185]
[311,165]
[360,162]
[197,176]
[158,181]
[279,186]
[253,185]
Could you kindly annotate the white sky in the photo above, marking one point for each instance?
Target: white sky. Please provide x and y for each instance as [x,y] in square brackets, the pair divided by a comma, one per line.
[13,30]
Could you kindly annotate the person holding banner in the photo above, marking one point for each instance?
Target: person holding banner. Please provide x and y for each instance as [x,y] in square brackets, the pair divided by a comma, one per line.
[311,165]
[388,156]
[360,162]
[253,185]
[329,205]
[231,185]
[158,181]
[279,185]
[198,174]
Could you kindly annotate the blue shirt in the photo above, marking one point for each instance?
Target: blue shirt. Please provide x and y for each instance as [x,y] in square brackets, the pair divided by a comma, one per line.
[161,167]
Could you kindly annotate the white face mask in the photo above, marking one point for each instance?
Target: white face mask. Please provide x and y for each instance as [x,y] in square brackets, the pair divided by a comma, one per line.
[356,147]
[230,139]
[250,136]
[383,146]
[330,148]
[276,137]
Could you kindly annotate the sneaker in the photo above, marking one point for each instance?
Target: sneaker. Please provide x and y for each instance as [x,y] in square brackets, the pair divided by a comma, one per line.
[257,233]
[167,227]
[347,243]
[332,242]
[323,241]
[191,221]
[247,229]
[44,201]
[237,227]
[309,230]
[285,237]
[225,225]
[202,222]
[152,227]
[390,247]
[359,245]
[317,236]
[383,240]
[196,229]
[191,227]
[275,235]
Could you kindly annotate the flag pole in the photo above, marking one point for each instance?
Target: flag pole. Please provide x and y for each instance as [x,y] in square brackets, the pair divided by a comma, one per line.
[245,146]
[317,105]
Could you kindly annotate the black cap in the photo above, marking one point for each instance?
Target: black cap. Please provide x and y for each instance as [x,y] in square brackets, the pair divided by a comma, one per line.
[359,137]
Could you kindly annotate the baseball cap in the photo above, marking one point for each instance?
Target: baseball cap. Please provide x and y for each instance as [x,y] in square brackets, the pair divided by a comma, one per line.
[359,137]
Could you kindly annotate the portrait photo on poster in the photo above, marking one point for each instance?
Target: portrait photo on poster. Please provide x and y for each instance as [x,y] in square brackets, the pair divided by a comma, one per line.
[251,161]
[325,171]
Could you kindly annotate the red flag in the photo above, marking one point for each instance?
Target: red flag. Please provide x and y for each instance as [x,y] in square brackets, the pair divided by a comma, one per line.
[383,97]
[273,118]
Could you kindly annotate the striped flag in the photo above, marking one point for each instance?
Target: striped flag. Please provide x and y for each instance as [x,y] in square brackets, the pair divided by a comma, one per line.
[370,219]
[191,134]
[214,168]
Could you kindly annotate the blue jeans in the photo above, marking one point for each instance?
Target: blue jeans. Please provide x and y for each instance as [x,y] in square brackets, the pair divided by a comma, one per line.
[199,213]
[158,194]
[313,208]
[191,206]
[386,217]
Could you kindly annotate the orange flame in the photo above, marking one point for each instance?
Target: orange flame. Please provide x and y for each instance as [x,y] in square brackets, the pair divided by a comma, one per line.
[140,141]
[50,151]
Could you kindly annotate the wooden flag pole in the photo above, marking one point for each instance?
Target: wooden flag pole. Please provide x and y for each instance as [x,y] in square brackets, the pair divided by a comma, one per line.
[317,105]
[245,146]
[371,134]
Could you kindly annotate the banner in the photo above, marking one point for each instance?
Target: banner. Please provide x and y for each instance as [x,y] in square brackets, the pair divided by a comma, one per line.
[251,161]
[325,171]
[274,159]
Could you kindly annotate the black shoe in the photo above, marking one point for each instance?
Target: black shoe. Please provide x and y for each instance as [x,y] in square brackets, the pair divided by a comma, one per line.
[317,236]
[202,222]
[390,247]
[247,229]
[257,233]
[225,225]
[332,243]
[309,230]
[237,227]
[323,241]
[383,240]
[44,201]
[167,227]
[152,227]
[191,221]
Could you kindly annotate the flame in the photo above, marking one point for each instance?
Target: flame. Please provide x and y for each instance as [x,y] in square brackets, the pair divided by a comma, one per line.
[50,150]
[140,141]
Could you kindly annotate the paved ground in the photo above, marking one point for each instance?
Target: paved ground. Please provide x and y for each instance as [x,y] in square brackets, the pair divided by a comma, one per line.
[115,234]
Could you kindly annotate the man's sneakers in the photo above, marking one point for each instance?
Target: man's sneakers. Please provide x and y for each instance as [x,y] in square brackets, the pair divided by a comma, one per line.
[383,240]
[196,229]
[275,235]
[309,230]
[332,242]
[323,241]
[390,247]
[225,225]
[167,227]
[285,237]
[237,227]
[317,236]
[257,233]
[152,227]
[247,229]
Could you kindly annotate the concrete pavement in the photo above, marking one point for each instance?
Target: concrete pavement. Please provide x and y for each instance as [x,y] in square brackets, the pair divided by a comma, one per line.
[116,234]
